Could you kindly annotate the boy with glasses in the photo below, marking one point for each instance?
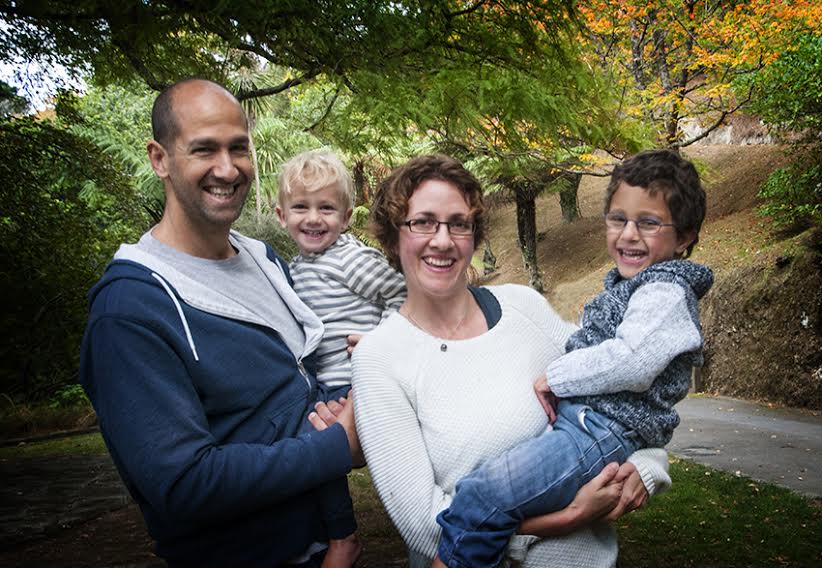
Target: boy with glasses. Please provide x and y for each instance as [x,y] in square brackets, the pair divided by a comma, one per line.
[614,390]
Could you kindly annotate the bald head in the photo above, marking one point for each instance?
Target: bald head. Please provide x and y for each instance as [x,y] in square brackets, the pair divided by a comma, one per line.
[164,125]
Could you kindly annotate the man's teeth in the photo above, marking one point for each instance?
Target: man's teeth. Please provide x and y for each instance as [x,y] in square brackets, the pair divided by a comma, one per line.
[440,262]
[221,191]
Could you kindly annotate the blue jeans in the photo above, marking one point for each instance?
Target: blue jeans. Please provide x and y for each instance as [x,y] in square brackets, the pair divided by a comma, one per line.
[539,476]
[336,505]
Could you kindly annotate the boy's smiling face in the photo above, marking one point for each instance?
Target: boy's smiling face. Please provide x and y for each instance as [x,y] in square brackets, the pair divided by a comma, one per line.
[631,250]
[314,219]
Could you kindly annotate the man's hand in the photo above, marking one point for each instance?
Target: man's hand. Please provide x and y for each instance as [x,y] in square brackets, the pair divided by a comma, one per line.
[546,398]
[326,415]
[634,495]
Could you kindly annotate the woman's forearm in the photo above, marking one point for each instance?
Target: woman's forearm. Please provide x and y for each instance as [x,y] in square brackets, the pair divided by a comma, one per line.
[558,523]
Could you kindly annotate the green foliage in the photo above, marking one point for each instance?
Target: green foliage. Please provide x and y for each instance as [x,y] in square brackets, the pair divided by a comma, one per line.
[794,193]
[70,396]
[788,93]
[84,445]
[10,102]
[64,212]
[163,40]
[117,119]
[268,230]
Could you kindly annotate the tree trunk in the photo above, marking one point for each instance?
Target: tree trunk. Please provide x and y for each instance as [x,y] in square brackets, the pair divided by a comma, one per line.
[257,192]
[527,233]
[568,200]
[359,183]
[489,259]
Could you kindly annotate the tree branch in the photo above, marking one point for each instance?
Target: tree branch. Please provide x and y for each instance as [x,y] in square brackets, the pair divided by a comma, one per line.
[723,115]
[126,49]
[326,113]
[284,86]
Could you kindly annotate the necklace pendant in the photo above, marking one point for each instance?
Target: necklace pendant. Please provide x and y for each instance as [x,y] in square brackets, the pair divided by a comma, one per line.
[443,347]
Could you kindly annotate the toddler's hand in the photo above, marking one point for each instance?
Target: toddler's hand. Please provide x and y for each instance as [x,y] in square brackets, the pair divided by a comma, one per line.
[352,341]
[546,397]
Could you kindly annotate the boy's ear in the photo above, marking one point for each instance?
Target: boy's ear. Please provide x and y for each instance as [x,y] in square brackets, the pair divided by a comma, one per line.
[684,241]
[280,216]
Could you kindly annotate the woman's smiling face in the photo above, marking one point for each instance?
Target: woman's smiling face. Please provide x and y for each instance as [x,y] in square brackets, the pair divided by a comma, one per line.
[435,265]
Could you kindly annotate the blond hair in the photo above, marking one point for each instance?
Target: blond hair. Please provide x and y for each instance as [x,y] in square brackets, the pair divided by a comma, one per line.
[314,170]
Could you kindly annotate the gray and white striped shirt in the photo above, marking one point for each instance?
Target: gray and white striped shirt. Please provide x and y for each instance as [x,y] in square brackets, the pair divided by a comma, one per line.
[351,288]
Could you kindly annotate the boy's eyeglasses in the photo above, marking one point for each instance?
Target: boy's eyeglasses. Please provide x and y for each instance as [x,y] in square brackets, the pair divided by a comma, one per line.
[431,226]
[616,222]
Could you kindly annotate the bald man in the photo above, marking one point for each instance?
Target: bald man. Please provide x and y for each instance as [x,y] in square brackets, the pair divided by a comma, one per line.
[198,358]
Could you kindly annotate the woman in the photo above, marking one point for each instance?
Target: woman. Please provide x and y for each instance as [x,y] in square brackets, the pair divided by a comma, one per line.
[447,382]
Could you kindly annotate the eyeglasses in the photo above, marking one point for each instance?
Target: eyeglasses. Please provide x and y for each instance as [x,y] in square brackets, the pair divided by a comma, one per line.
[616,223]
[431,226]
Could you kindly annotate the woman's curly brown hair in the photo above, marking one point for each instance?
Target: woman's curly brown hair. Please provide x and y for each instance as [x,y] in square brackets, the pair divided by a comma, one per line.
[390,207]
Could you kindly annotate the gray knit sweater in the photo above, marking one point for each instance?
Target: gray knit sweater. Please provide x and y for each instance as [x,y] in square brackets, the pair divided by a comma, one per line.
[633,356]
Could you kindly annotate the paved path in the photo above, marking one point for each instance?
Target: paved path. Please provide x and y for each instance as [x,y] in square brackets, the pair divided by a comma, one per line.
[777,445]
[40,496]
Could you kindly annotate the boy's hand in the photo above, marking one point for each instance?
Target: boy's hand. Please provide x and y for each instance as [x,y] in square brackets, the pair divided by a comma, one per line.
[546,398]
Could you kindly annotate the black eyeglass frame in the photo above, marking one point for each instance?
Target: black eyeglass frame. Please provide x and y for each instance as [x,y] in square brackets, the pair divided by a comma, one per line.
[411,223]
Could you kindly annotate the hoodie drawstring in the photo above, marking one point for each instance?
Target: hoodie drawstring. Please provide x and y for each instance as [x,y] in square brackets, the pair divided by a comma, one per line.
[180,312]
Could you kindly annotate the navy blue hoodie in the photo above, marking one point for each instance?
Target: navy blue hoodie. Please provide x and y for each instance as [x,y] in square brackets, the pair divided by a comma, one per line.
[201,414]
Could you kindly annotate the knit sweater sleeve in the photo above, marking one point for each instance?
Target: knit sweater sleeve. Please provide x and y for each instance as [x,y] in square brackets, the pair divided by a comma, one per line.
[657,327]
[394,447]
[652,466]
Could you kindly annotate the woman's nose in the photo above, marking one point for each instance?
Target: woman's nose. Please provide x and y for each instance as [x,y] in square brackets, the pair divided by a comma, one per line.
[442,237]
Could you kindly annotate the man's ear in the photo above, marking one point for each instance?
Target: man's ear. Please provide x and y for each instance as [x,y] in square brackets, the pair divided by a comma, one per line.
[158,157]
[281,216]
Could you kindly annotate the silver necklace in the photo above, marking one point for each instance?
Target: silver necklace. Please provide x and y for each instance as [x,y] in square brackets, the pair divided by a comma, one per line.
[443,346]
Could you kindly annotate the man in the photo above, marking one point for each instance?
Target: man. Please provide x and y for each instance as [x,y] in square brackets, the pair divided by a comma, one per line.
[198,360]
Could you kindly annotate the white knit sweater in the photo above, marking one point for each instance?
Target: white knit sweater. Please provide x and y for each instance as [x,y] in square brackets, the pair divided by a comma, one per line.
[427,417]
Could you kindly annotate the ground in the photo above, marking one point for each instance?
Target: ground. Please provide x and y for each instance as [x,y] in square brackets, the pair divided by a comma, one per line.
[763,324]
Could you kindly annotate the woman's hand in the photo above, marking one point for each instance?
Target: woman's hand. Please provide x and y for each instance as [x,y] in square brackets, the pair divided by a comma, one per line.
[634,494]
[342,411]
[593,501]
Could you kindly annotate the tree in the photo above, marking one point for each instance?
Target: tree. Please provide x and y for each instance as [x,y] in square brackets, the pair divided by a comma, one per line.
[65,211]
[524,131]
[163,40]
[680,59]
[788,95]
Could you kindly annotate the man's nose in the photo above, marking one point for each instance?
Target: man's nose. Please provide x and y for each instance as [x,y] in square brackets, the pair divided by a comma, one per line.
[224,167]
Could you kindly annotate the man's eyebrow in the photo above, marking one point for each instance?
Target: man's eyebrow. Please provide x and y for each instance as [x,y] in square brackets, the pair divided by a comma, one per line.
[214,142]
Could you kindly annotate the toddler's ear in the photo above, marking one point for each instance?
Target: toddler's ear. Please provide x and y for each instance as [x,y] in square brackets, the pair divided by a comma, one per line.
[347,219]
[280,216]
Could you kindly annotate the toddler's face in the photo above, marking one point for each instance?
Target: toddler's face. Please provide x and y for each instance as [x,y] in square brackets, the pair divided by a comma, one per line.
[314,219]
[633,248]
